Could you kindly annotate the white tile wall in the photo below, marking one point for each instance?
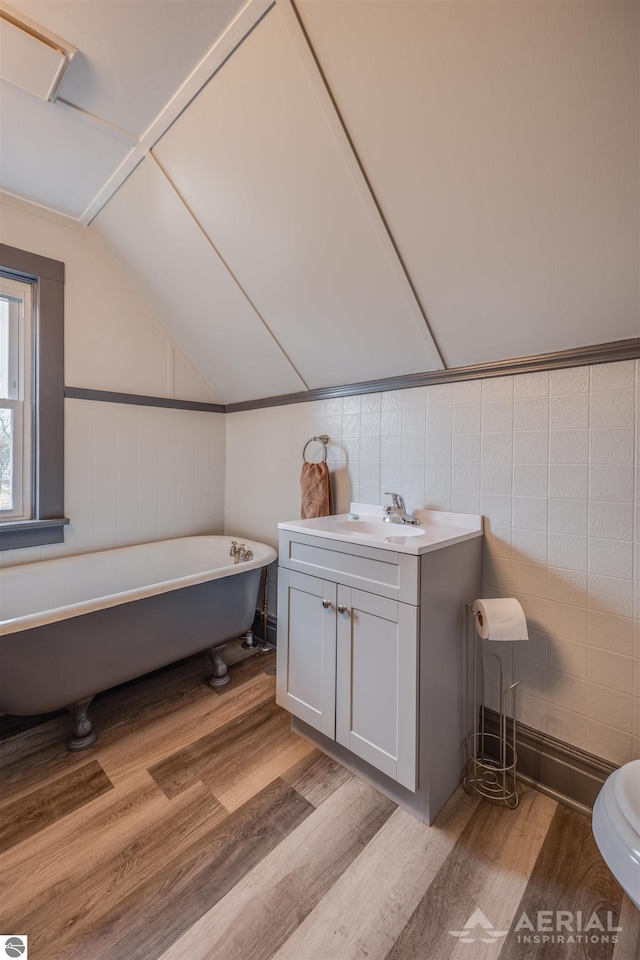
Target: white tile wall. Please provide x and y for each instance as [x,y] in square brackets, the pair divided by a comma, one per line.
[134,474]
[552,461]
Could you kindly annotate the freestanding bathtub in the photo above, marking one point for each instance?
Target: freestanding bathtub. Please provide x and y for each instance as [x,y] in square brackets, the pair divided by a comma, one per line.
[74,626]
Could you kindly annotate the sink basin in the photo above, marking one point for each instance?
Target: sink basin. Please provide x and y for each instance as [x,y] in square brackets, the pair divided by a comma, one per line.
[364,527]
[378,529]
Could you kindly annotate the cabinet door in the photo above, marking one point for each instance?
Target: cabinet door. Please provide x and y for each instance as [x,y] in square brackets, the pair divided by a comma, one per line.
[306,674]
[377,679]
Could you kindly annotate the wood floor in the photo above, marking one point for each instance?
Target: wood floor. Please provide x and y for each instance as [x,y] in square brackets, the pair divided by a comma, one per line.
[200,827]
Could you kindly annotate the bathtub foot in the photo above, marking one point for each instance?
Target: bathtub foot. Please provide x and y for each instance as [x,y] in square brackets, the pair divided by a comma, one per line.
[220,673]
[84,736]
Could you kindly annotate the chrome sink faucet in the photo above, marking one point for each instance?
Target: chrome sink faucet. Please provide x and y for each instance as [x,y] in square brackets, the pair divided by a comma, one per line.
[397,510]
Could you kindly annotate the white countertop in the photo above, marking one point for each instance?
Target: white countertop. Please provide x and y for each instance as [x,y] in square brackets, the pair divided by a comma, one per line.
[440,529]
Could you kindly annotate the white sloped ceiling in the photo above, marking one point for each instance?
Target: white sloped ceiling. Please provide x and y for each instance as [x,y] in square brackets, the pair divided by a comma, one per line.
[134,58]
[133,54]
[257,160]
[171,261]
[481,202]
[502,143]
[52,154]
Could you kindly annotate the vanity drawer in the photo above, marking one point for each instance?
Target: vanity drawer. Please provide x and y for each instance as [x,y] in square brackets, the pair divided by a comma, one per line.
[385,573]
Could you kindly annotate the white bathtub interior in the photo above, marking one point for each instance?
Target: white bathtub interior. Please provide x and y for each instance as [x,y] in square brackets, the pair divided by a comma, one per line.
[50,590]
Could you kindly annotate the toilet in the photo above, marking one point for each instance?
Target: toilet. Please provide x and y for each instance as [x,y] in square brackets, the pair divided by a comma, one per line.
[616,827]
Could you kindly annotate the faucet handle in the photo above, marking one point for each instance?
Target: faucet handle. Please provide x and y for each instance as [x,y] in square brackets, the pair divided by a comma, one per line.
[241,552]
[397,498]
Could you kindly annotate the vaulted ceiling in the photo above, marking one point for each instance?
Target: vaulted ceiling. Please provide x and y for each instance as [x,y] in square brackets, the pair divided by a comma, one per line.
[344,190]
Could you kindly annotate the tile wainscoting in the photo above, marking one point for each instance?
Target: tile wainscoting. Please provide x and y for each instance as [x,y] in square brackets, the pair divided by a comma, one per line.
[551,460]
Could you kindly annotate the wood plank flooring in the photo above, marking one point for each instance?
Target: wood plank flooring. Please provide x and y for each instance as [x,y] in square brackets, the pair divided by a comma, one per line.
[201,828]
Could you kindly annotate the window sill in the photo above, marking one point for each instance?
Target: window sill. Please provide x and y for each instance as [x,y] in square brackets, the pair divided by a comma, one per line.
[16,534]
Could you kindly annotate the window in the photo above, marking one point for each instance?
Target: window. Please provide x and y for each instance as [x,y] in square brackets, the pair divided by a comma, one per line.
[31,399]
[16,353]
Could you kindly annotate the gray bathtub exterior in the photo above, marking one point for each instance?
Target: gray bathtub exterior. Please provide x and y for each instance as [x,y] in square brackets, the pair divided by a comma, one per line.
[66,662]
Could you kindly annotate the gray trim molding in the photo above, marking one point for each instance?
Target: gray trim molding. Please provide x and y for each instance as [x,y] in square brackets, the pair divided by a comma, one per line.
[47,277]
[580,356]
[49,453]
[16,534]
[109,396]
[30,264]
[560,770]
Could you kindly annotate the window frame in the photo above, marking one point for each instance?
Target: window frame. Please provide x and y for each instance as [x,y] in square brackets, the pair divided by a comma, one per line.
[47,478]
[20,369]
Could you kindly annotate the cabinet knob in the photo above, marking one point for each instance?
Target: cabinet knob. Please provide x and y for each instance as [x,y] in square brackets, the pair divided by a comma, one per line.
[326,604]
[342,608]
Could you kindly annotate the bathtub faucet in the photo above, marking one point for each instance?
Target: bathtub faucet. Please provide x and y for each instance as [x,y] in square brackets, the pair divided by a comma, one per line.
[240,553]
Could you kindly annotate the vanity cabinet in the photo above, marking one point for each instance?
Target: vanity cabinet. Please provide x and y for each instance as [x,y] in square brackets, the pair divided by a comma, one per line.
[369,657]
[347,666]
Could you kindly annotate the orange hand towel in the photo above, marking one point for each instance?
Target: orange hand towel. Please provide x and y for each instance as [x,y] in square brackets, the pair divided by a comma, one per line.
[315,486]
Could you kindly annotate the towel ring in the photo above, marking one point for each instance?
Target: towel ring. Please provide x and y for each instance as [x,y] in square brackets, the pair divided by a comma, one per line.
[323,439]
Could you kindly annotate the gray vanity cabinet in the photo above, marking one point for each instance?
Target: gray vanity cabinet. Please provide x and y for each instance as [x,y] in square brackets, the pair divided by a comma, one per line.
[369,658]
[348,657]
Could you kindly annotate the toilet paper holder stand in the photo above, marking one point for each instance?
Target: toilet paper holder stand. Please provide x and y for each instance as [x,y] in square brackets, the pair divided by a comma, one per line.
[490,758]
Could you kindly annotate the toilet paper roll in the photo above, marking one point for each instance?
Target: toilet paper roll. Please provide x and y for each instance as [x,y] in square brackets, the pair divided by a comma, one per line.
[501,619]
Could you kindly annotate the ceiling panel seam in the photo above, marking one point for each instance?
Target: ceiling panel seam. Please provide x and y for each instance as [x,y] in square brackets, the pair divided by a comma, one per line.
[94,119]
[226,266]
[338,128]
[34,208]
[223,48]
